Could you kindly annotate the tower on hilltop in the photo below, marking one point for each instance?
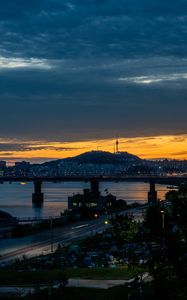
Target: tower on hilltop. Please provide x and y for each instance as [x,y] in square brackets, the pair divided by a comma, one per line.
[117,145]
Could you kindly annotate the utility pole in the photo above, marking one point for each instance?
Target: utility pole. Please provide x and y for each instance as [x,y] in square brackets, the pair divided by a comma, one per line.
[51,229]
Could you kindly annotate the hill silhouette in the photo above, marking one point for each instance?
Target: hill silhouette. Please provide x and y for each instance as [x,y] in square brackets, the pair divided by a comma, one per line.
[100,157]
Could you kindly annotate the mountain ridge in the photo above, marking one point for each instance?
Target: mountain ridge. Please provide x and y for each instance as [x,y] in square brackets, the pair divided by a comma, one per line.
[99,157]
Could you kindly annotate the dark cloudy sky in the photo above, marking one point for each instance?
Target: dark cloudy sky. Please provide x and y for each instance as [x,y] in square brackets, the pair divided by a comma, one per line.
[90,69]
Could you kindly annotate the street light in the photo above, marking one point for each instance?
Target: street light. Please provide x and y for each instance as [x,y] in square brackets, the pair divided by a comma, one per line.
[163,221]
[163,225]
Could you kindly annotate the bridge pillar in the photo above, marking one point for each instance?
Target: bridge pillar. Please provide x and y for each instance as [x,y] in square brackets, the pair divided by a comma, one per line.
[152,194]
[37,196]
[95,187]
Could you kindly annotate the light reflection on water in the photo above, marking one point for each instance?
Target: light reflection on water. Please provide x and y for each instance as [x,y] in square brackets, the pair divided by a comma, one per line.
[17,199]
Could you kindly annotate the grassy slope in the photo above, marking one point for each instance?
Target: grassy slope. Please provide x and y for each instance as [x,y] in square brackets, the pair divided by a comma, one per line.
[9,277]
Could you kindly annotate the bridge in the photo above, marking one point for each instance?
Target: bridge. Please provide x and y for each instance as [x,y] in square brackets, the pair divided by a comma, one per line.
[38,196]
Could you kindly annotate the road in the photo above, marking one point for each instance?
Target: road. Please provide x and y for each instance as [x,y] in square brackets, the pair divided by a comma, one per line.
[42,243]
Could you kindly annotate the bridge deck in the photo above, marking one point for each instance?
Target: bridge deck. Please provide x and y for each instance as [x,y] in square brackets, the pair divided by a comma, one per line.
[156,179]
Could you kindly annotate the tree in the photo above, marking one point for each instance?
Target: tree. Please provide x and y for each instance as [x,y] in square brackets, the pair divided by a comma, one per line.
[154,220]
[124,228]
[179,206]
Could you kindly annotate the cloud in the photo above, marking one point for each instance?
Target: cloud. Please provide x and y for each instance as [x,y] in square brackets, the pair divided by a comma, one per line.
[182,153]
[179,139]
[16,63]
[61,29]
[79,70]
[154,79]
[22,146]
[4,154]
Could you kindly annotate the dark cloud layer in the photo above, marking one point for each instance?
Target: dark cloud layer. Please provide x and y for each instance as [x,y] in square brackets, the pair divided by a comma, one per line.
[18,147]
[83,69]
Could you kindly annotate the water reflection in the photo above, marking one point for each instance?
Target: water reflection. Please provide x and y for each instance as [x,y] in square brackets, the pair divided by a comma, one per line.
[37,210]
[17,199]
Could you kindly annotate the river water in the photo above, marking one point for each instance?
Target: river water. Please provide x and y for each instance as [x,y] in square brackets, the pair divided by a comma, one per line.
[16,198]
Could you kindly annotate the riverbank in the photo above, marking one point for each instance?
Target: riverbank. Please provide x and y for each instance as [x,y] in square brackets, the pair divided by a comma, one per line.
[41,243]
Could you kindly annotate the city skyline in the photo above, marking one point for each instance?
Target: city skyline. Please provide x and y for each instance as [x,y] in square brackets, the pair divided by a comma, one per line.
[74,74]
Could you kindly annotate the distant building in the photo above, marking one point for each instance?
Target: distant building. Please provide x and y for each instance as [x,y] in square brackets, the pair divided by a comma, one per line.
[91,201]
[2,167]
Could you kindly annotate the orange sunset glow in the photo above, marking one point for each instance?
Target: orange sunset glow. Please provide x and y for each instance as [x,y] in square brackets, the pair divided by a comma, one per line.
[173,147]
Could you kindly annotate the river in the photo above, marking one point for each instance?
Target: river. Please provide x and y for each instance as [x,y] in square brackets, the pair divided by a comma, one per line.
[16,198]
